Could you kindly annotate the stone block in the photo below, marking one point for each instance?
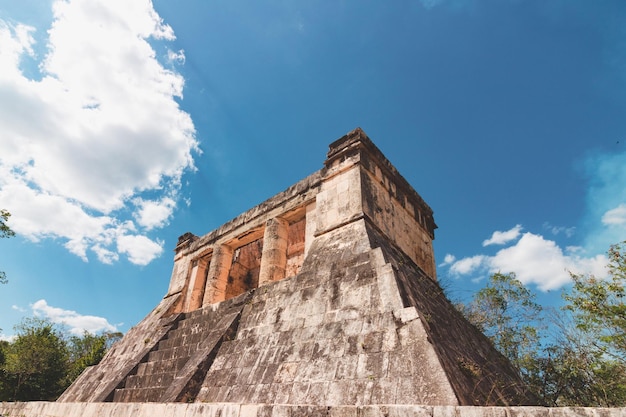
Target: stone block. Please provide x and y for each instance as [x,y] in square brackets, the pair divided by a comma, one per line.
[362,391]
[406,315]
[286,372]
[299,391]
[372,342]
[384,391]
[280,393]
[317,392]
[468,411]
[342,411]
[346,367]
[309,411]
[528,412]
[340,393]
[409,411]
[444,411]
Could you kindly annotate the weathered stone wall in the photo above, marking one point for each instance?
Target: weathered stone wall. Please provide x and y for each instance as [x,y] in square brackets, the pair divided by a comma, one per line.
[361,322]
[326,337]
[356,181]
[47,409]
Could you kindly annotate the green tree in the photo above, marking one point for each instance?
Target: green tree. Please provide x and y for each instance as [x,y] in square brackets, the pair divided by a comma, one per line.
[590,359]
[582,360]
[43,361]
[598,306]
[5,231]
[88,350]
[506,311]
[35,363]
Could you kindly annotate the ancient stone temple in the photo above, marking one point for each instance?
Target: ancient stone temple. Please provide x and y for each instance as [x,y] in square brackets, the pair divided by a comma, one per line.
[324,295]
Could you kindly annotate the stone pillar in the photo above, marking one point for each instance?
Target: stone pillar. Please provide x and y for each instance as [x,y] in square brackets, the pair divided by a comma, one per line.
[197,285]
[274,256]
[217,277]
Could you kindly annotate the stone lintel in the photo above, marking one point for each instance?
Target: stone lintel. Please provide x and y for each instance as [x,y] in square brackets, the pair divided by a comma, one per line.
[292,200]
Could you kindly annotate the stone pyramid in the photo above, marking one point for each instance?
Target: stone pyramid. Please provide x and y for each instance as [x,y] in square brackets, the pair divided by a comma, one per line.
[325,294]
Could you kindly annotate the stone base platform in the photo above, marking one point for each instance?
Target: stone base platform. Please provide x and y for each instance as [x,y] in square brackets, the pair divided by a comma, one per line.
[54,409]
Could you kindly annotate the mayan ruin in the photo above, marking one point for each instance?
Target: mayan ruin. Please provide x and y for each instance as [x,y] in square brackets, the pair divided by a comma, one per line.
[322,300]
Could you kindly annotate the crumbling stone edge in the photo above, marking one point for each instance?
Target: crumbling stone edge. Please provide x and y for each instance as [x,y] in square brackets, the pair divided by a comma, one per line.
[52,409]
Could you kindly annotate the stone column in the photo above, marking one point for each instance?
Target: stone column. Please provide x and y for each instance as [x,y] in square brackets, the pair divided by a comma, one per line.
[217,277]
[197,285]
[274,256]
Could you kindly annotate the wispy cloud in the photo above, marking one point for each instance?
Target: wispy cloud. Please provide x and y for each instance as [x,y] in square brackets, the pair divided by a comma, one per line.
[557,230]
[76,323]
[500,238]
[616,216]
[84,145]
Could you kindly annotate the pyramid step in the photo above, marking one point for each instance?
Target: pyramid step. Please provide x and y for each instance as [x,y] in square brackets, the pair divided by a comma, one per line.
[178,352]
[157,367]
[138,394]
[150,381]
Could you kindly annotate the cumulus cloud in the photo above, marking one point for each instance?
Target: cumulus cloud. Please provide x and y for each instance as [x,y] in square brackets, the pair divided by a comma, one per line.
[84,145]
[467,265]
[500,238]
[557,230]
[536,260]
[448,260]
[76,323]
[140,249]
[151,214]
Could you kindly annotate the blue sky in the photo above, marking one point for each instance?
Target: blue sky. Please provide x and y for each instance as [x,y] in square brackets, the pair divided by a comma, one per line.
[125,123]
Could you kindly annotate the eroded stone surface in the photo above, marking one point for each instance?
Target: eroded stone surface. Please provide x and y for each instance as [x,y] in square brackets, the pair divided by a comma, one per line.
[324,296]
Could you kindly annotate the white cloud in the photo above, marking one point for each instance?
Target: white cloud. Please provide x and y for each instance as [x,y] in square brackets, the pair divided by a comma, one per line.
[539,261]
[535,260]
[140,249]
[82,145]
[500,238]
[448,259]
[76,323]
[616,216]
[151,214]
[176,56]
[467,265]
[6,338]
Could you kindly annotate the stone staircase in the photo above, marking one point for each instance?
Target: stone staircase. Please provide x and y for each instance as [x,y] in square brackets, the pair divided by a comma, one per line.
[167,372]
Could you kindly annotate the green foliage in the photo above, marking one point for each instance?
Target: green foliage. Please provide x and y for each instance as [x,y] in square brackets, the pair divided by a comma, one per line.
[5,231]
[506,311]
[583,362]
[88,350]
[599,306]
[35,363]
[42,362]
